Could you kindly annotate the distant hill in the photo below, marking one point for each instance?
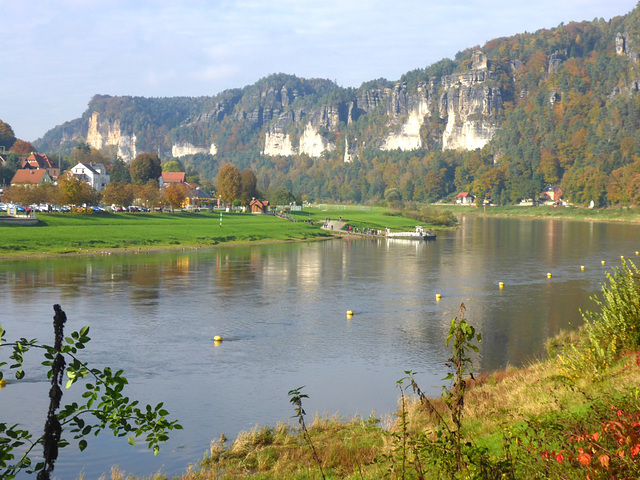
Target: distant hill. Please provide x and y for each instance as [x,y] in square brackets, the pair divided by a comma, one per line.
[558,106]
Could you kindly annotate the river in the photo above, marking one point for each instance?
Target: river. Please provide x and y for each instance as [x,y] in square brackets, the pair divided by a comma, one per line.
[281,310]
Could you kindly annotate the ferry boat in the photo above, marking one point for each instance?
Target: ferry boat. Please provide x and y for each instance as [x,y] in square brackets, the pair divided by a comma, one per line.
[419,234]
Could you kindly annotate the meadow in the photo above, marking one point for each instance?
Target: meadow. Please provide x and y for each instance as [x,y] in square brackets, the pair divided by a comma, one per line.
[87,233]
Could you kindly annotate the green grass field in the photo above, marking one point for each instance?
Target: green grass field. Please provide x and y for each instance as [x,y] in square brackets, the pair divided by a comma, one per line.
[58,234]
[81,233]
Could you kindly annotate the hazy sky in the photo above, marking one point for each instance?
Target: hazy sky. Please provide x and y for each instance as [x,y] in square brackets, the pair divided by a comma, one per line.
[56,55]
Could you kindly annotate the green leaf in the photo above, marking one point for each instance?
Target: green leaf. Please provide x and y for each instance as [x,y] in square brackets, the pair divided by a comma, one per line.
[131,441]
[82,444]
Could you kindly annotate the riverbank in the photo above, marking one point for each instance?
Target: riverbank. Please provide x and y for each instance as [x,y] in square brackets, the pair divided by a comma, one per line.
[105,234]
[617,214]
[133,233]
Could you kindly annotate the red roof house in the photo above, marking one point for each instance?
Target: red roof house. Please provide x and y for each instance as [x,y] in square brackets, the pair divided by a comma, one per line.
[259,206]
[38,161]
[30,177]
[168,178]
[465,198]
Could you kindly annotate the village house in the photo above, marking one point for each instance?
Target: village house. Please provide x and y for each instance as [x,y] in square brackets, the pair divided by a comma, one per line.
[465,198]
[38,161]
[30,177]
[94,174]
[169,178]
[552,194]
[259,206]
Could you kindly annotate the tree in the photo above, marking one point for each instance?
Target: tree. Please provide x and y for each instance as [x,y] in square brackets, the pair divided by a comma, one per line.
[73,191]
[175,195]
[117,193]
[120,172]
[248,186]
[22,148]
[281,196]
[85,153]
[173,165]
[228,182]
[7,137]
[104,406]
[145,167]
[149,194]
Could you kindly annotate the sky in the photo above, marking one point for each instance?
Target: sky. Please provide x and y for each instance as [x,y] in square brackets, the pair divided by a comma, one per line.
[56,55]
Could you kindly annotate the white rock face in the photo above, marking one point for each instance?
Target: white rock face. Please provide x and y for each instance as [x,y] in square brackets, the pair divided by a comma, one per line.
[183,149]
[313,144]
[127,147]
[468,136]
[278,144]
[409,136]
[107,134]
[470,107]
[97,139]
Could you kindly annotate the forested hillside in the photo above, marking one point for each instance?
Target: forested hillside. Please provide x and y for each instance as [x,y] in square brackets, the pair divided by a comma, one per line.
[560,106]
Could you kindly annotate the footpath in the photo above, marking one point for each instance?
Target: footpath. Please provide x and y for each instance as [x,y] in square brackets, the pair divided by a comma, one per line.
[333,225]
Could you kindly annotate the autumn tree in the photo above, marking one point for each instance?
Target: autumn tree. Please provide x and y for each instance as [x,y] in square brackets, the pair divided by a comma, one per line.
[175,195]
[145,167]
[117,193]
[149,194]
[228,182]
[73,191]
[20,194]
[7,137]
[248,186]
[22,148]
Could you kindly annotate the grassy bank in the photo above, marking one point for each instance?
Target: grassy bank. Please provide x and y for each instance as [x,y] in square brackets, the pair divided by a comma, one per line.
[60,234]
[617,214]
[79,233]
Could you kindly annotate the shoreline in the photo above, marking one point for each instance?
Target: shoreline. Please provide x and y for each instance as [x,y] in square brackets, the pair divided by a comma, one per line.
[156,249]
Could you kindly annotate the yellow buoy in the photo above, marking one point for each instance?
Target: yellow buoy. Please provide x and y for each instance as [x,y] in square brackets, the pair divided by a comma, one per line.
[3,382]
[438,296]
[549,275]
[621,257]
[603,262]
[581,267]
[217,339]
[501,284]
[349,313]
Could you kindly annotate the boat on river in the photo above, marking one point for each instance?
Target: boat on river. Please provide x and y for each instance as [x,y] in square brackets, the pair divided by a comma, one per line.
[420,233]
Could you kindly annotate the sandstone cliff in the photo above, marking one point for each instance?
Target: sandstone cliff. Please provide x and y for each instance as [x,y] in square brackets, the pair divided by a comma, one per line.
[285,115]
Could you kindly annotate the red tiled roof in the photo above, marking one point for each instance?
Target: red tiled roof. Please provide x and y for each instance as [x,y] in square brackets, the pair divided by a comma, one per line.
[33,177]
[37,160]
[174,177]
[462,195]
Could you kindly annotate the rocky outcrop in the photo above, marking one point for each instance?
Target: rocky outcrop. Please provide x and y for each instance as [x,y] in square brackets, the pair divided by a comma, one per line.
[314,144]
[295,116]
[278,143]
[182,149]
[470,106]
[411,110]
[107,134]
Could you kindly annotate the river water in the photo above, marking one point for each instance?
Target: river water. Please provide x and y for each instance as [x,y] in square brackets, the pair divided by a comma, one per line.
[281,310]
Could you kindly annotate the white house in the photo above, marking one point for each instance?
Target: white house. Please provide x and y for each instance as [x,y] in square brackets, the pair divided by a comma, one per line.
[94,174]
